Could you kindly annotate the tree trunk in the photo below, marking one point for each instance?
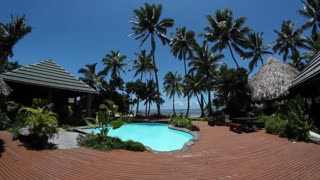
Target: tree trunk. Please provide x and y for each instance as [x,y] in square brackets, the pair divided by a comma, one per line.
[138,100]
[188,98]
[146,108]
[174,110]
[153,49]
[188,106]
[157,82]
[234,59]
[149,108]
[201,106]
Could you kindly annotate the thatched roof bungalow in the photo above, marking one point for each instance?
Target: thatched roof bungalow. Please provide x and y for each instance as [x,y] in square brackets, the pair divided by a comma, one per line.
[4,88]
[272,81]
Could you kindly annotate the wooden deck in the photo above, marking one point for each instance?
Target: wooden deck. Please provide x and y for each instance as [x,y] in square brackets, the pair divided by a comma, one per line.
[220,154]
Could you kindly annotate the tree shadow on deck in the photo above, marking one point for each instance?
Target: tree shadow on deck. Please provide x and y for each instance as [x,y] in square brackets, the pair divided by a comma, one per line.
[1,147]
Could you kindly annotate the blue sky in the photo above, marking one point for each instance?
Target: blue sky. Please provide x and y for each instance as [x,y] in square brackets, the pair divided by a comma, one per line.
[74,33]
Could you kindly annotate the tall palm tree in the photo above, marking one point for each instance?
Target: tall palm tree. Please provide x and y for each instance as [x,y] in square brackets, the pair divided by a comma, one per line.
[114,62]
[311,10]
[10,34]
[181,47]
[147,24]
[172,86]
[204,63]
[225,32]
[257,49]
[90,76]
[142,65]
[289,39]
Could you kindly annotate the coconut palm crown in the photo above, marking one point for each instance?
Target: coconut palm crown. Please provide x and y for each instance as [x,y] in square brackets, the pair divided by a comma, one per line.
[10,34]
[226,32]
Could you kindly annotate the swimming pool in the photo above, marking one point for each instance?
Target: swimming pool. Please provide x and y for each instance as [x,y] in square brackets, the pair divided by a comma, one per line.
[157,136]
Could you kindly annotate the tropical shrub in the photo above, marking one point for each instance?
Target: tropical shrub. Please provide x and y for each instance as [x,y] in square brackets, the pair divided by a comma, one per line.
[180,122]
[299,125]
[194,128]
[107,143]
[42,123]
[133,146]
[276,124]
[4,120]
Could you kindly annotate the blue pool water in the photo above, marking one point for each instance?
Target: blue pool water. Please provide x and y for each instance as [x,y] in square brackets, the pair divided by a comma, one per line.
[157,136]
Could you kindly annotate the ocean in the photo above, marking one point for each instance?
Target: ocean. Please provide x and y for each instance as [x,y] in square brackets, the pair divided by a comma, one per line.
[192,112]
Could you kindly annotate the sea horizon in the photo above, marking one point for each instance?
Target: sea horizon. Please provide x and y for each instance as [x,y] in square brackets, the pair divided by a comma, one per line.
[192,112]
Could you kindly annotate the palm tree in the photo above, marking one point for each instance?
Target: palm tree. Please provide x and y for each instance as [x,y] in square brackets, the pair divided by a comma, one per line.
[90,76]
[172,85]
[143,65]
[114,62]
[289,39]
[150,95]
[232,90]
[257,49]
[311,10]
[204,63]
[148,25]
[226,32]
[10,66]
[10,34]
[313,43]
[192,86]
[181,47]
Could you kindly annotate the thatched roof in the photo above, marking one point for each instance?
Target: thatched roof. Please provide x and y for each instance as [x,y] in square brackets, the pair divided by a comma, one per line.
[272,81]
[4,88]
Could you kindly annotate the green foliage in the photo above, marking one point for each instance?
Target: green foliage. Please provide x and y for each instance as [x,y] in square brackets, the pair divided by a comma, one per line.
[66,127]
[116,124]
[299,125]
[133,146]
[108,143]
[276,124]
[232,91]
[43,124]
[4,120]
[180,122]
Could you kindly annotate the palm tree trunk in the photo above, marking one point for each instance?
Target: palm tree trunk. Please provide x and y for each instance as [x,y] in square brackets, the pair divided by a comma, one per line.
[188,100]
[146,108]
[235,61]
[149,108]
[174,110]
[201,106]
[157,82]
[188,106]
[209,103]
[138,100]
[153,49]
